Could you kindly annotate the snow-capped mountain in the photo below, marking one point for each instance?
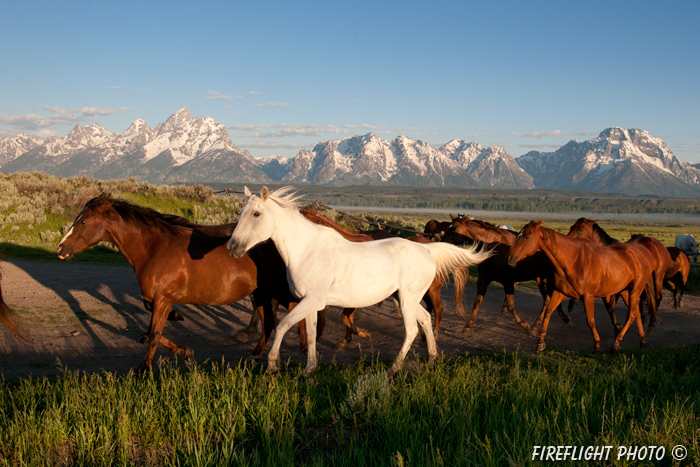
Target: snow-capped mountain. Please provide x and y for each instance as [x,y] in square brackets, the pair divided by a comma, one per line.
[367,159]
[618,160]
[13,147]
[183,149]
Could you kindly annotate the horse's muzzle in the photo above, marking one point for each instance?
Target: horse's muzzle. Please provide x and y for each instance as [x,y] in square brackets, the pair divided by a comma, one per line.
[235,249]
[512,261]
[64,253]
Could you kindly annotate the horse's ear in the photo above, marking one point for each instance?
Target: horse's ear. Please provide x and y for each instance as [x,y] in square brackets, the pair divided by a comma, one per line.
[103,207]
[452,217]
[246,192]
[539,223]
[595,221]
[264,193]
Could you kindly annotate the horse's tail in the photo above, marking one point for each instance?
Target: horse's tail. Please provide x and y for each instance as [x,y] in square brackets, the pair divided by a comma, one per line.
[7,318]
[461,276]
[449,258]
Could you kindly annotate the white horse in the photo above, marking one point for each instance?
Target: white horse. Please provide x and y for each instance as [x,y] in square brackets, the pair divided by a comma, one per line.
[688,244]
[325,269]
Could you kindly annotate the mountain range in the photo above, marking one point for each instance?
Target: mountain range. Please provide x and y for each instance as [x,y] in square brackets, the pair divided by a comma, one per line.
[186,150]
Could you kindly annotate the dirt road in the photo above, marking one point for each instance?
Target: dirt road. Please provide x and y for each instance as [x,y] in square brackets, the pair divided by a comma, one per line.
[89,318]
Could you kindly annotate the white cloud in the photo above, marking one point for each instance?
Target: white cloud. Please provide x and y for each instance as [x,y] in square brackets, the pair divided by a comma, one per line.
[550,134]
[283,130]
[216,95]
[57,116]
[254,93]
[272,104]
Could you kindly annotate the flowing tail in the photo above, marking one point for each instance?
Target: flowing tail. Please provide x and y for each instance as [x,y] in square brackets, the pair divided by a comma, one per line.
[456,260]
[7,318]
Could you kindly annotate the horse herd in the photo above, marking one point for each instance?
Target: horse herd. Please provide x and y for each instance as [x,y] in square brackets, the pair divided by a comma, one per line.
[279,254]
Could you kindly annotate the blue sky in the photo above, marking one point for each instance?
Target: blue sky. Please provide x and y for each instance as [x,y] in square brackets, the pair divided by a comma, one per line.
[285,75]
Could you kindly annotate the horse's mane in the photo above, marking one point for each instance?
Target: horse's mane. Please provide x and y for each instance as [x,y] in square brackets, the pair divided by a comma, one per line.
[607,239]
[286,197]
[147,218]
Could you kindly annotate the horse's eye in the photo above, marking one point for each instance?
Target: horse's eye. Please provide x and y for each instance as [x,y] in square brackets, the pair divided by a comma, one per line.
[256,214]
[527,237]
[83,222]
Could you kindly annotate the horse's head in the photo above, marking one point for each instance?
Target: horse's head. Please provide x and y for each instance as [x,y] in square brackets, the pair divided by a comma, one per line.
[88,228]
[582,228]
[256,223]
[527,243]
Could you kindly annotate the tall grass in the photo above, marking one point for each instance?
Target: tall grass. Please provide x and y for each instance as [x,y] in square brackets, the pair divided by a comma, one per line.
[471,410]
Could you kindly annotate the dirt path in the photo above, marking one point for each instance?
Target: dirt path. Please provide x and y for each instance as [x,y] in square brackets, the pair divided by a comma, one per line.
[89,318]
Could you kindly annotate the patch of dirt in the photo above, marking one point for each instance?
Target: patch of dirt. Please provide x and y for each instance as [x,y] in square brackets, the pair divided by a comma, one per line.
[89,318]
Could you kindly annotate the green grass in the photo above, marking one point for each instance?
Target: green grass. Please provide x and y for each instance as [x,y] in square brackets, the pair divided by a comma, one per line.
[472,410]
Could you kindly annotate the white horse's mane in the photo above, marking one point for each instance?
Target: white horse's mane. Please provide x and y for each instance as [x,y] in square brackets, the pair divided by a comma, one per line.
[287,197]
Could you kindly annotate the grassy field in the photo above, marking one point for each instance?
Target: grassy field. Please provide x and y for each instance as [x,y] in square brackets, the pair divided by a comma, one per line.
[479,410]
[470,410]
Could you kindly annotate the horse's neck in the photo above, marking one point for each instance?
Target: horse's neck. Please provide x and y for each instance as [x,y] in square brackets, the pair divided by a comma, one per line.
[554,245]
[293,235]
[134,243]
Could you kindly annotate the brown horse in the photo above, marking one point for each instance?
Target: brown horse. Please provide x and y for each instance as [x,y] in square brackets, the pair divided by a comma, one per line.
[7,318]
[432,298]
[677,275]
[658,255]
[173,263]
[585,270]
[496,268]
[465,227]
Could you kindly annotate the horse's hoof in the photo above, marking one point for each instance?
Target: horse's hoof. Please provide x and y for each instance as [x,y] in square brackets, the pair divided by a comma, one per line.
[566,319]
[541,346]
[643,344]
[142,369]
[189,353]
[431,360]
[525,326]
[615,348]
[342,345]
[534,331]
[391,372]
[272,367]
[244,336]
[144,339]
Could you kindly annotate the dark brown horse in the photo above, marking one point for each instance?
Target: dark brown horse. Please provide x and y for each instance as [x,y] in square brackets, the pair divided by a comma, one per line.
[585,270]
[432,298]
[174,263]
[496,268]
[7,318]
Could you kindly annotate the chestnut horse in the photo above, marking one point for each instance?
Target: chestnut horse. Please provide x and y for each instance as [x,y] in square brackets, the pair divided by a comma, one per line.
[677,275]
[174,263]
[7,318]
[658,255]
[585,270]
[496,268]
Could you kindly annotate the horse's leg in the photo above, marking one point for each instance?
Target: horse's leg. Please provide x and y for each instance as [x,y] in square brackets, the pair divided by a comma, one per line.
[634,313]
[266,315]
[509,289]
[413,313]
[310,323]
[589,305]
[348,318]
[161,307]
[482,285]
[570,308]
[304,309]
[174,315]
[554,301]
[247,334]
[609,303]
